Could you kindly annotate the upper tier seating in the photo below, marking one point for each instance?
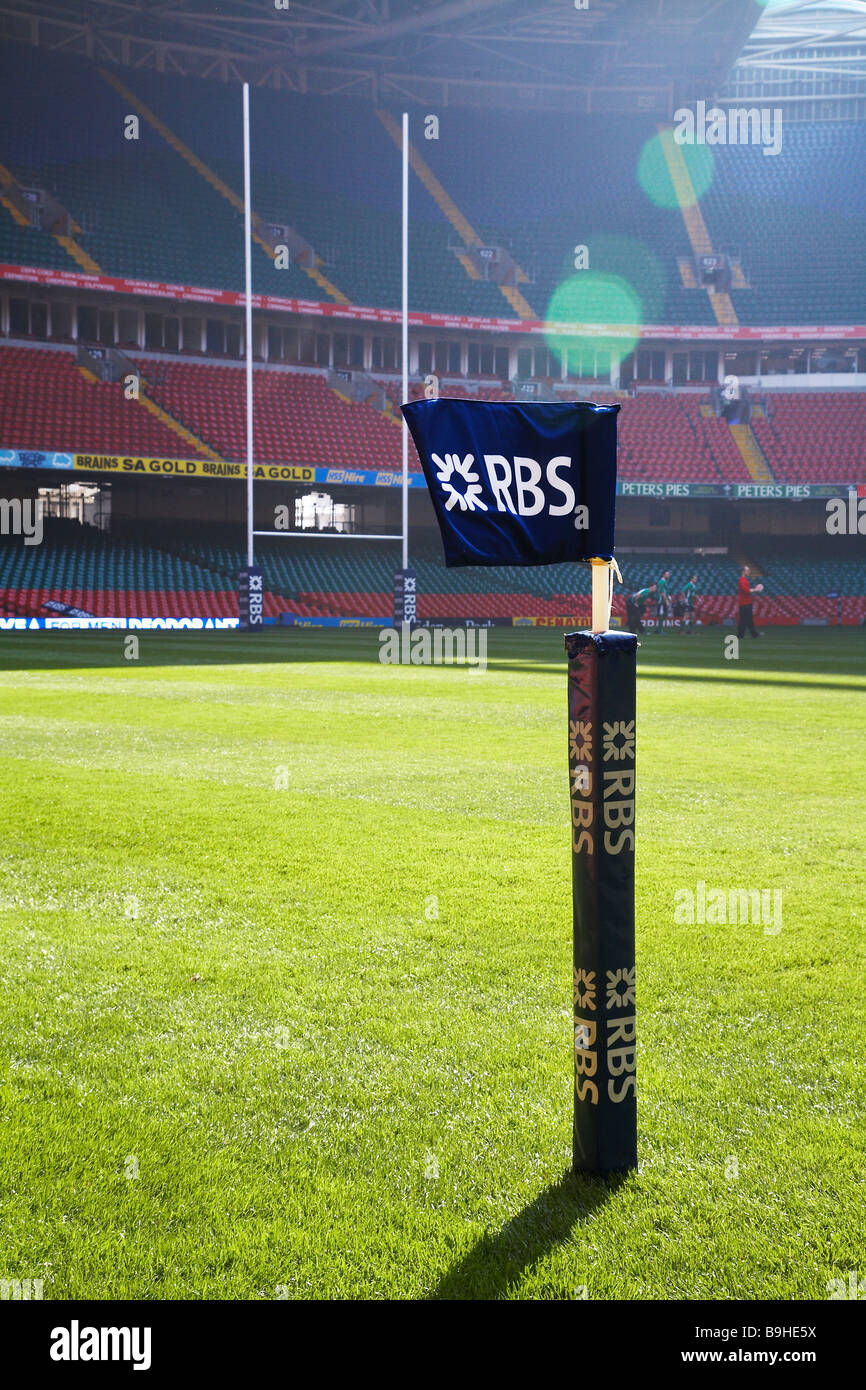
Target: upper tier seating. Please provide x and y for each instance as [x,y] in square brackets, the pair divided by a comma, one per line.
[537,184]
[799,221]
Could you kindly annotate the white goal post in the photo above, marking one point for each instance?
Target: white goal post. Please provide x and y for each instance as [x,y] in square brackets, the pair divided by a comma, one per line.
[403,536]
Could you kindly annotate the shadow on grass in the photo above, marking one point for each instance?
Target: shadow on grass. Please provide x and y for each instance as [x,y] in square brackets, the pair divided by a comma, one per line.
[499,1260]
[832,653]
[57,649]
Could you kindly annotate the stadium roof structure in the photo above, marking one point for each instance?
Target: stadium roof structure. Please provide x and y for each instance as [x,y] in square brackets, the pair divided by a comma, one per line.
[609,56]
[809,54]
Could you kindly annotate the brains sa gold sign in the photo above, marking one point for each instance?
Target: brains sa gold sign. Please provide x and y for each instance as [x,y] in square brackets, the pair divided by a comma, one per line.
[191,468]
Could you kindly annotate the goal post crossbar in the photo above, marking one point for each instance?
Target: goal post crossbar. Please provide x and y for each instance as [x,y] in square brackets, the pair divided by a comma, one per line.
[331,535]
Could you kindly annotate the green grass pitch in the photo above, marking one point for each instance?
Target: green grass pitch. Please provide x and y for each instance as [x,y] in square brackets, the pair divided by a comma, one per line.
[286,972]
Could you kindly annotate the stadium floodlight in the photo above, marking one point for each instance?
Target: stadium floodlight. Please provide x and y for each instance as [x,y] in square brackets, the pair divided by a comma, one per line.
[535,484]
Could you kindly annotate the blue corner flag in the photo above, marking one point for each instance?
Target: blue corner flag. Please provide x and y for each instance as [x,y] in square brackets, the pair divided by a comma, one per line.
[530,484]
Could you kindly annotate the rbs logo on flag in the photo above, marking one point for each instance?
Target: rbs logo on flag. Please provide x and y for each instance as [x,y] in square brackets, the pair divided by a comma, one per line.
[528,499]
[530,484]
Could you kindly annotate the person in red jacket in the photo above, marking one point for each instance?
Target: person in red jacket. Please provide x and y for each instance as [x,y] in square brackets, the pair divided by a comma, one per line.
[744,599]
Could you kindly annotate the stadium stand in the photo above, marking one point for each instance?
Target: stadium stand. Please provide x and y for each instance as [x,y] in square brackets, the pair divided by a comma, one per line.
[816,437]
[164,572]
[165,208]
[147,213]
[298,417]
[799,222]
[83,567]
[46,403]
[666,436]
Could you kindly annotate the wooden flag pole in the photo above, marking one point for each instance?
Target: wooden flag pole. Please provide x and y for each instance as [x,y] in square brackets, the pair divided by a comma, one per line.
[601,594]
[602,591]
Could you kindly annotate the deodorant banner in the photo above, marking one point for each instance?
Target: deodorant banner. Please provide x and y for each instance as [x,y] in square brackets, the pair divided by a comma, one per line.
[601,762]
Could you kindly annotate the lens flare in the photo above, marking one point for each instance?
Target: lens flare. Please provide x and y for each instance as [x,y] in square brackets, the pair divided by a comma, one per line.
[655,177]
[593,311]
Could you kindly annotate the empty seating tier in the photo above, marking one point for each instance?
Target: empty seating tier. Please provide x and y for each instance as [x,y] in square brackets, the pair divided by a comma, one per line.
[328,169]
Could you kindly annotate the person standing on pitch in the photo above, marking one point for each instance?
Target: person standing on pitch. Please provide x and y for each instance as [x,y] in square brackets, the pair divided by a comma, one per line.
[690,599]
[663,602]
[634,606]
[744,600]
[678,609]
